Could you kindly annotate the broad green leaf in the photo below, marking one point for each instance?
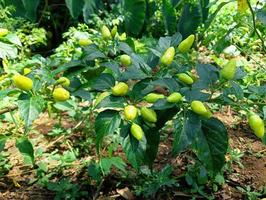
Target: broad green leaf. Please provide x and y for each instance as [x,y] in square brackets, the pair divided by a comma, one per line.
[94,171]
[30,7]
[134,150]
[211,143]
[68,106]
[175,3]
[68,157]
[153,135]
[112,102]
[82,93]
[190,20]
[108,163]
[104,82]
[140,64]
[92,52]
[74,7]
[125,48]
[19,7]
[132,73]
[185,134]
[170,83]
[170,21]
[30,109]
[114,66]
[176,39]
[14,39]
[153,140]
[202,176]
[162,104]
[208,76]
[235,90]
[240,74]
[141,89]
[264,139]
[2,142]
[204,9]
[135,12]
[8,51]
[65,67]
[90,74]
[25,147]
[195,94]
[107,122]
[4,93]
[163,44]
[88,9]
[261,15]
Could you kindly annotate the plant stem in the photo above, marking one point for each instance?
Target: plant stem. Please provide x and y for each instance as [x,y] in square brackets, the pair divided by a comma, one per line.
[254,25]
[9,109]
[13,119]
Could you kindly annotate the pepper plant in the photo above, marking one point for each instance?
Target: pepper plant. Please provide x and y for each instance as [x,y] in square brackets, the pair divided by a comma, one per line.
[135,96]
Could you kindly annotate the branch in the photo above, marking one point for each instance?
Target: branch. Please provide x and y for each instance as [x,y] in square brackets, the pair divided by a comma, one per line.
[254,25]
[9,109]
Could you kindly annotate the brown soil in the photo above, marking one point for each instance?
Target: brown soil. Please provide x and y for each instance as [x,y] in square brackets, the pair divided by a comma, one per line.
[15,185]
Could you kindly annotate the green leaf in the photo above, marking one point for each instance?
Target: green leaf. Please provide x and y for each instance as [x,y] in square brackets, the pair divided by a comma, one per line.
[204,8]
[104,82]
[74,7]
[235,90]
[153,134]
[88,9]
[135,12]
[162,104]
[195,94]
[82,93]
[240,74]
[264,139]
[30,7]
[2,142]
[170,83]
[185,135]
[92,52]
[107,122]
[112,102]
[134,150]
[132,73]
[8,51]
[107,163]
[175,3]
[125,48]
[19,7]
[14,39]
[141,89]
[153,140]
[190,20]
[30,109]
[213,15]
[94,171]
[68,106]
[211,144]
[25,147]
[208,76]
[4,93]
[169,15]
[65,67]
[261,15]
[114,66]
[202,176]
